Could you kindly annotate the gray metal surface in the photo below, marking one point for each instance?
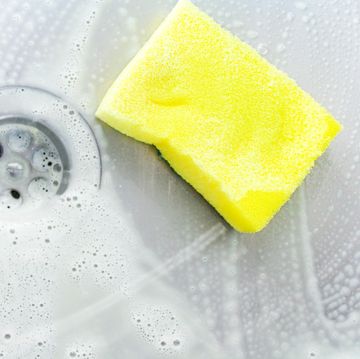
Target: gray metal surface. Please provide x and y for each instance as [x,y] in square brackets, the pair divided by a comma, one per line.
[142,266]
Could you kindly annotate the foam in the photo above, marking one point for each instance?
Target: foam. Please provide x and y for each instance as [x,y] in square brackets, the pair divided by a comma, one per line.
[250,297]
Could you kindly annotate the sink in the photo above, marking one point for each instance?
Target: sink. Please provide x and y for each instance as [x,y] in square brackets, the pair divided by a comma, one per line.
[121,258]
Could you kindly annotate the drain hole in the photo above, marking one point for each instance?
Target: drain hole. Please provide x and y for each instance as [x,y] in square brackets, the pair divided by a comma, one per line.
[19,140]
[10,199]
[39,188]
[15,194]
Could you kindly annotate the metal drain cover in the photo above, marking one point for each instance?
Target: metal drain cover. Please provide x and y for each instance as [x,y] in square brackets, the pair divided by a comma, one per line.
[45,147]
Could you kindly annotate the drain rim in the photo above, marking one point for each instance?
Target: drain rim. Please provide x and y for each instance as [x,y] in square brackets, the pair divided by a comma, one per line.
[22,88]
[29,116]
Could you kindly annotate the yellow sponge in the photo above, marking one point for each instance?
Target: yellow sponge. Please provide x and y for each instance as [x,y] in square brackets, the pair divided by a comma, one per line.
[236,128]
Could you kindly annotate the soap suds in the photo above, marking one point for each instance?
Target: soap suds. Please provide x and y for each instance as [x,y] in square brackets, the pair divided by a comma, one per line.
[239,296]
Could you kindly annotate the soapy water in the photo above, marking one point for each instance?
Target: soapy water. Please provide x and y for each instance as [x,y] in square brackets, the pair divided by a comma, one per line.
[137,264]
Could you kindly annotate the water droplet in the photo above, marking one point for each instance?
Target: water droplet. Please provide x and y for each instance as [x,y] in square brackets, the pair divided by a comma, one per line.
[300,5]
[280,47]
[122,11]
[290,16]
[305,18]
[251,34]
[262,49]
[237,24]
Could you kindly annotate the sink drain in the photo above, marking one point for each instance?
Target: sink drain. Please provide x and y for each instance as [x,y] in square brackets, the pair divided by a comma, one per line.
[46,148]
[34,164]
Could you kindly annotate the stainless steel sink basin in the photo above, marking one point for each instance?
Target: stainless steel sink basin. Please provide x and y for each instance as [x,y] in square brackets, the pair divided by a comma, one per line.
[127,260]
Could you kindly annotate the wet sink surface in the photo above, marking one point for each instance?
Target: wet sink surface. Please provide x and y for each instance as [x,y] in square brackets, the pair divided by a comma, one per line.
[137,264]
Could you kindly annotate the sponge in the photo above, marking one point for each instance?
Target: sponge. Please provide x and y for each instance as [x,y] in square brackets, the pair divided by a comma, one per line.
[240,131]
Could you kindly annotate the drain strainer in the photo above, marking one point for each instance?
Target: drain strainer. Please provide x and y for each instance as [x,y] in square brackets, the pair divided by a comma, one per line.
[34,164]
[46,148]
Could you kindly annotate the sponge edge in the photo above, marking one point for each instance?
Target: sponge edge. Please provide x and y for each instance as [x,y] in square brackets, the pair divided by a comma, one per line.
[240,131]
[242,215]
